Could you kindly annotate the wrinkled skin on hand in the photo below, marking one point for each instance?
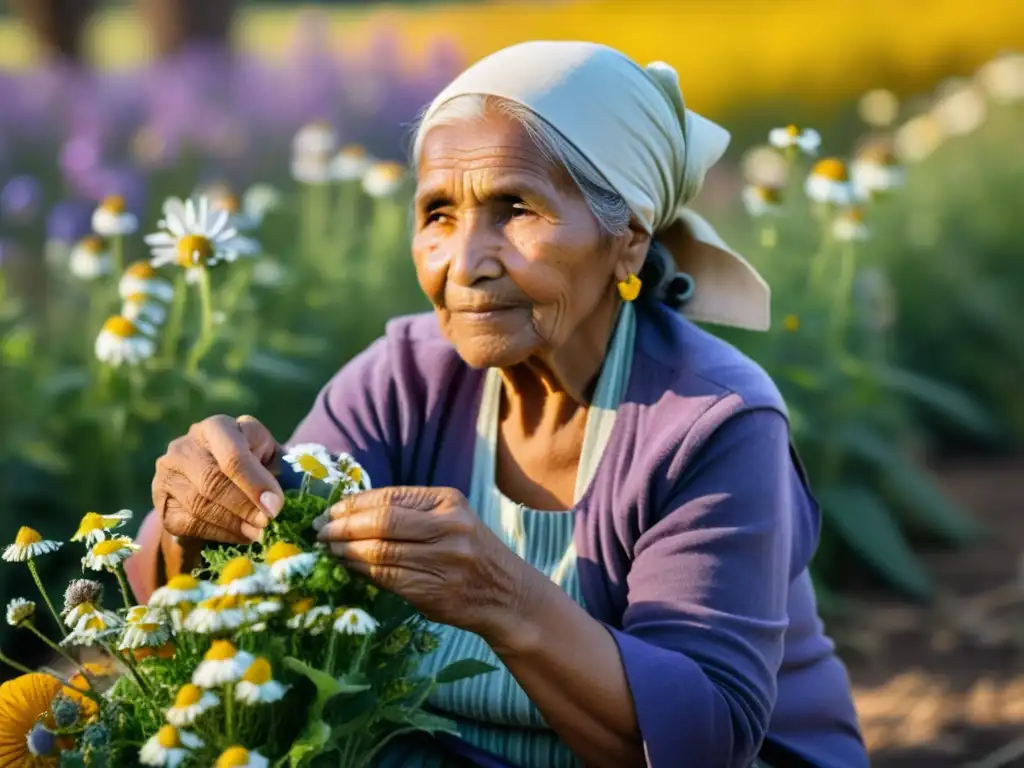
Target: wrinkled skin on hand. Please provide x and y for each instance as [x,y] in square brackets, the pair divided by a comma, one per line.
[217,482]
[430,547]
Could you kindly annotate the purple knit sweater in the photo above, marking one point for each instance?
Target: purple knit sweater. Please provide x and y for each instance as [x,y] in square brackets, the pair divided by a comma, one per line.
[693,539]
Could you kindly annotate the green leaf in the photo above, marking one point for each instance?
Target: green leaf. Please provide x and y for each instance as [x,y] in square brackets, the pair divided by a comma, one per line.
[313,742]
[910,487]
[326,685]
[349,684]
[943,399]
[425,721]
[869,528]
[460,670]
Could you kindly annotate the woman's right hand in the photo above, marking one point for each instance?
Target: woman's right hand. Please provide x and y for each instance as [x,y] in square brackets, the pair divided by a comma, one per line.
[217,482]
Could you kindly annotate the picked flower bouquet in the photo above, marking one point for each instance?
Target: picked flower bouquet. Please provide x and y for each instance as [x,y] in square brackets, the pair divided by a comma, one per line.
[271,654]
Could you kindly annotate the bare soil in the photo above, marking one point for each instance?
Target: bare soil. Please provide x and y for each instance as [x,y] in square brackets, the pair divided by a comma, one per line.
[943,685]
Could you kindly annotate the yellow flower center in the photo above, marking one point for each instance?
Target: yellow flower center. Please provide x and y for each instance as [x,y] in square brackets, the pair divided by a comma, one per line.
[356,474]
[121,327]
[388,171]
[167,737]
[148,627]
[96,623]
[791,323]
[832,169]
[856,215]
[281,551]
[771,195]
[259,672]
[312,466]
[183,583]
[109,547]
[353,619]
[136,298]
[27,536]
[235,757]
[92,521]
[194,250]
[114,204]
[221,650]
[143,270]
[354,151]
[137,614]
[305,605]
[226,201]
[792,130]
[878,153]
[239,568]
[188,696]
[92,243]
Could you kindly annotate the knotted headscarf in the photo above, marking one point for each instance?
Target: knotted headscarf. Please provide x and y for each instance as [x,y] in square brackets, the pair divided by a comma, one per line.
[631,122]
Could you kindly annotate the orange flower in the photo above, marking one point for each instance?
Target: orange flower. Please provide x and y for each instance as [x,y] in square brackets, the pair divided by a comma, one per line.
[25,701]
[165,652]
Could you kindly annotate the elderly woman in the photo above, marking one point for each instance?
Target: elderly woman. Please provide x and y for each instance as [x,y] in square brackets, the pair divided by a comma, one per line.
[573,480]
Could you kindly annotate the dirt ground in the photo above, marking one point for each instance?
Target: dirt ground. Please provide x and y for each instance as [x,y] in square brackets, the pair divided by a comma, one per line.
[943,686]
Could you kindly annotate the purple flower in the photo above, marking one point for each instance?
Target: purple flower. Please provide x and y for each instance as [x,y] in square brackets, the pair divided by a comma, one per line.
[69,221]
[41,742]
[21,198]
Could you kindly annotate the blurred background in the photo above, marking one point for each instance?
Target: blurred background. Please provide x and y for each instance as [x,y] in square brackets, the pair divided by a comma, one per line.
[898,335]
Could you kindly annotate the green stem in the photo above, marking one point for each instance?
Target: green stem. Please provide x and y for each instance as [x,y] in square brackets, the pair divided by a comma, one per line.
[360,657]
[15,665]
[46,598]
[133,668]
[332,647]
[32,628]
[202,345]
[229,713]
[122,582]
[117,248]
[844,288]
[176,319]
[304,487]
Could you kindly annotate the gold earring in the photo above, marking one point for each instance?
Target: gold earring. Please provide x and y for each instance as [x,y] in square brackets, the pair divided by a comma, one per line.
[629,288]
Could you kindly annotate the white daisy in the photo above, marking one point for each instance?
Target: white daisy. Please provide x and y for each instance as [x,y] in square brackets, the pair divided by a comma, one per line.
[181,589]
[353,470]
[169,747]
[876,171]
[190,702]
[829,182]
[89,631]
[354,621]
[145,634]
[81,613]
[110,553]
[287,561]
[383,179]
[258,685]
[123,341]
[20,610]
[195,235]
[224,199]
[222,664]
[849,226]
[314,460]
[242,576]
[112,219]
[760,200]
[317,138]
[259,200]
[311,169]
[240,757]
[94,526]
[29,544]
[140,277]
[90,258]
[351,163]
[807,140]
[140,307]
[306,614]
[215,614]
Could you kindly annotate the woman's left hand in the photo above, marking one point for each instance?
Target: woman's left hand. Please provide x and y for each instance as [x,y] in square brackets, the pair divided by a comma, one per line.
[428,546]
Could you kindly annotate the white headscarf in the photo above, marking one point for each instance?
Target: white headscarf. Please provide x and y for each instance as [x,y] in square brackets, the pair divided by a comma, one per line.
[632,124]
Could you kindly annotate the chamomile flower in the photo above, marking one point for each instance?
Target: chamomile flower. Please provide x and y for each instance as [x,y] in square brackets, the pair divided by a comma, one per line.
[190,702]
[761,200]
[89,631]
[849,226]
[195,235]
[316,138]
[306,614]
[140,307]
[94,526]
[383,179]
[354,471]
[242,576]
[829,182]
[258,685]
[314,460]
[216,614]
[351,163]
[240,757]
[123,341]
[20,610]
[259,200]
[112,218]
[181,589]
[876,171]
[222,664]
[29,544]
[81,591]
[354,621]
[224,199]
[142,278]
[286,561]
[169,747]
[106,555]
[82,612]
[147,633]
[807,140]
[90,259]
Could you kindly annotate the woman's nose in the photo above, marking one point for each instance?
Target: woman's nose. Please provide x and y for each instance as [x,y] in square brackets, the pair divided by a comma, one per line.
[475,252]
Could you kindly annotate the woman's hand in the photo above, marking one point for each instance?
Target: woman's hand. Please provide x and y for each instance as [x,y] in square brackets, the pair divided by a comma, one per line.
[216,483]
[430,547]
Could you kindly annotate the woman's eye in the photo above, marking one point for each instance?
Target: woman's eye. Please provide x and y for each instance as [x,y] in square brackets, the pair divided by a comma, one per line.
[520,209]
[436,217]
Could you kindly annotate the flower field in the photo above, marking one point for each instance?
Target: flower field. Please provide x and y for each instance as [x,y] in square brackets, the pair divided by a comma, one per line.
[199,237]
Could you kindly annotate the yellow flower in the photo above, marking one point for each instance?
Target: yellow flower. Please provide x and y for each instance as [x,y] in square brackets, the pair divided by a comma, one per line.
[352,469]
[849,226]
[27,545]
[112,218]
[876,171]
[807,140]
[762,200]
[351,163]
[169,747]
[140,277]
[242,576]
[125,341]
[181,589]
[189,704]
[24,702]
[165,652]
[216,614]
[383,179]
[145,634]
[258,685]
[89,630]
[222,664]
[239,757]
[109,553]
[287,561]
[314,460]
[306,614]
[829,182]
[94,526]
[354,621]
[90,258]
[791,323]
[194,234]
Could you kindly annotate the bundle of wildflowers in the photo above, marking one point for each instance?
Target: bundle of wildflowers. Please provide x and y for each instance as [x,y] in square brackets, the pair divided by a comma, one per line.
[270,654]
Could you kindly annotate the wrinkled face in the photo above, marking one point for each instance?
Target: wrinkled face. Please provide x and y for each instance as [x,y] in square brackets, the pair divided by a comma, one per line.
[505,246]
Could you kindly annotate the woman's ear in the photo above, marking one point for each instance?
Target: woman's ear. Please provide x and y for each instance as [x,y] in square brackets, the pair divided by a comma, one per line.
[636,243]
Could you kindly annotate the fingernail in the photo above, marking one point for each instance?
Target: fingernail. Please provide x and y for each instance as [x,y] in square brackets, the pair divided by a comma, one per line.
[272,503]
[319,522]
